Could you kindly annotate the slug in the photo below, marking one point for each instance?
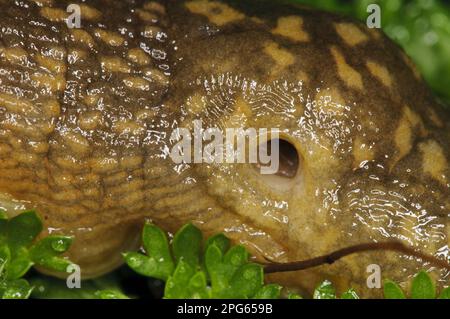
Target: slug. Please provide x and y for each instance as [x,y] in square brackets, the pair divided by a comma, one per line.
[88,111]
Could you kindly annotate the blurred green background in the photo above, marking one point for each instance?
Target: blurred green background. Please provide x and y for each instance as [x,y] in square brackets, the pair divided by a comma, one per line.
[421,27]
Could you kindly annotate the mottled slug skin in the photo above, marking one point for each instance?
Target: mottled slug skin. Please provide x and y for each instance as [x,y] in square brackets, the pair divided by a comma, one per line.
[86,115]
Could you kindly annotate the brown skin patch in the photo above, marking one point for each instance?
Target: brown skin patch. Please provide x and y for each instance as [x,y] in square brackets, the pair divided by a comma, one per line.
[53,14]
[362,152]
[350,33]
[281,57]
[291,27]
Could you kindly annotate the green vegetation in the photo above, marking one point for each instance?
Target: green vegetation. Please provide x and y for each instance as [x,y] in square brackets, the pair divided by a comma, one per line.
[421,27]
[189,266]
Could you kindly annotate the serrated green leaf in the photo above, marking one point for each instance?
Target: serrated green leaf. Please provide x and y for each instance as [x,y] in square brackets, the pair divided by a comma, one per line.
[325,291]
[350,294]
[177,283]
[17,289]
[246,281]
[187,245]
[423,287]
[445,293]
[270,291]
[23,229]
[392,291]
[46,251]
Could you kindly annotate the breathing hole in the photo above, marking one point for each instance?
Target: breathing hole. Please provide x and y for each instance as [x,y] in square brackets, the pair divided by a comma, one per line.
[288,159]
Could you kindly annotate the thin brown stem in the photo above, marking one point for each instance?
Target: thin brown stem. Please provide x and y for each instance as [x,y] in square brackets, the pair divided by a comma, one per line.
[338,254]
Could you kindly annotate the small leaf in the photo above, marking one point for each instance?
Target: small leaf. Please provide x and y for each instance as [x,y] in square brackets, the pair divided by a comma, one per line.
[197,286]
[423,286]
[325,291]
[445,293]
[110,294]
[350,294]
[159,263]
[23,229]
[186,245]
[292,295]
[177,283]
[3,215]
[271,291]
[246,281]
[17,289]
[236,256]
[220,240]
[392,290]
[46,251]
[19,265]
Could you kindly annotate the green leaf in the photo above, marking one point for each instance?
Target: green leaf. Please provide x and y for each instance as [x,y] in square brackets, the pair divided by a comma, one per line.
[247,280]
[350,294]
[325,291]
[17,289]
[19,265]
[271,291]
[177,283]
[445,293]
[219,272]
[23,229]
[187,244]
[110,294]
[392,291]
[236,256]
[220,240]
[46,251]
[197,287]
[292,295]
[423,287]
[158,264]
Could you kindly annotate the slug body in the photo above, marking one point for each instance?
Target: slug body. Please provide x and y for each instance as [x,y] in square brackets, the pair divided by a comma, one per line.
[86,116]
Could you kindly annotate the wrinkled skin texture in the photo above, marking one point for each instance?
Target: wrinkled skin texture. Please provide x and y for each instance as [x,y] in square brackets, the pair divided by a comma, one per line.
[86,115]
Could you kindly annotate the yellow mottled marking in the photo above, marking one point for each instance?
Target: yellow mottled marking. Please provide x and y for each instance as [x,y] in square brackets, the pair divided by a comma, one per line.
[82,36]
[14,55]
[114,64]
[51,107]
[89,120]
[16,105]
[242,108]
[361,152]
[403,137]
[53,14]
[196,104]
[111,38]
[217,12]
[52,65]
[155,6]
[138,56]
[74,55]
[331,101]
[350,33]
[76,142]
[156,75]
[146,16]
[281,57]
[42,3]
[52,83]
[434,117]
[415,120]
[151,31]
[291,27]
[380,72]
[89,13]
[137,83]
[128,127]
[349,75]
[411,65]
[434,160]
